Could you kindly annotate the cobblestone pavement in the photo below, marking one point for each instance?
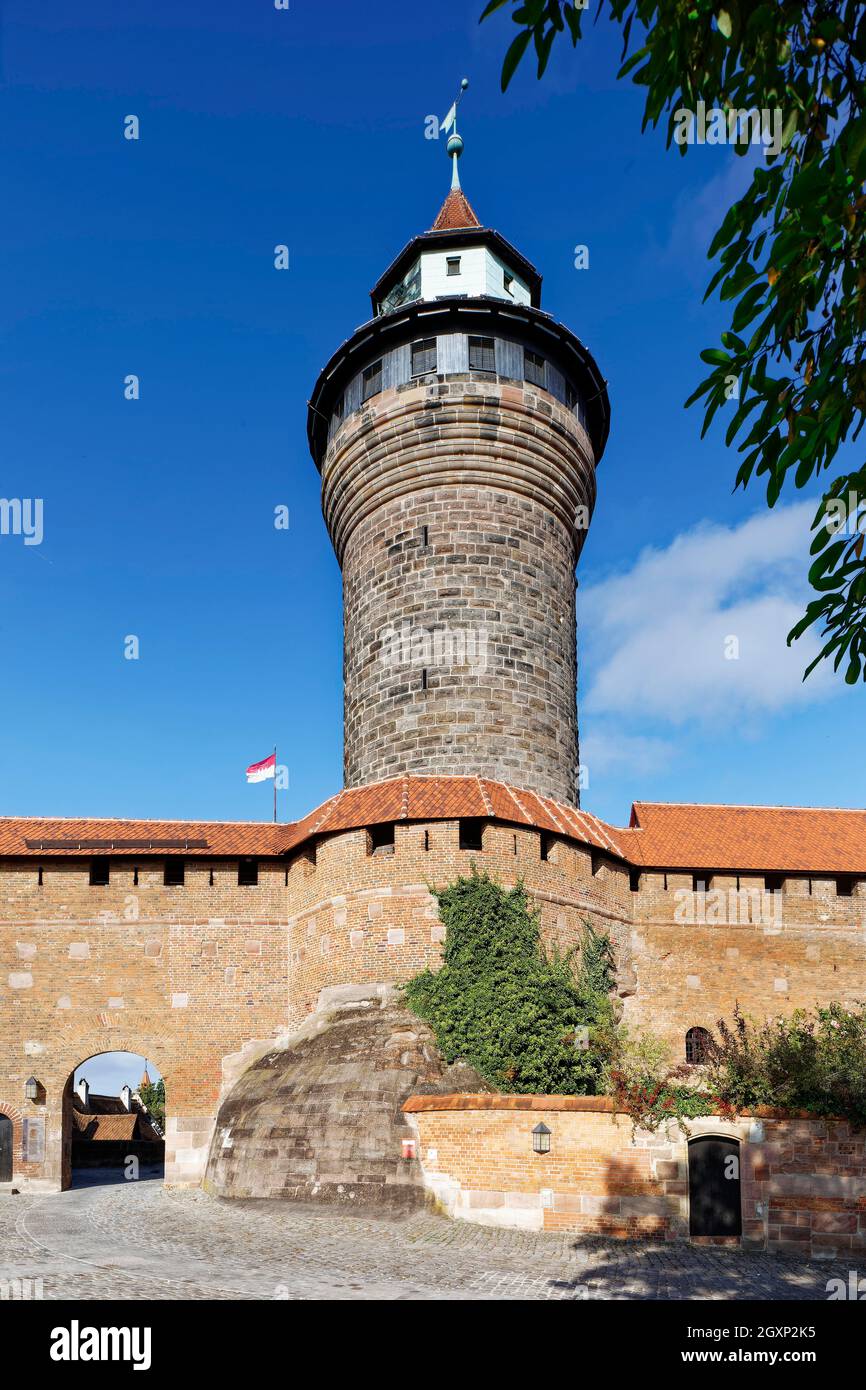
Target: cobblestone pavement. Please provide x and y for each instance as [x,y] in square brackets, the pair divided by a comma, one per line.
[142,1241]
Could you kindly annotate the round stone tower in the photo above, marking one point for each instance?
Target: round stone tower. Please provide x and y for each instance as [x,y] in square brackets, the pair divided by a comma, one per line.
[457,435]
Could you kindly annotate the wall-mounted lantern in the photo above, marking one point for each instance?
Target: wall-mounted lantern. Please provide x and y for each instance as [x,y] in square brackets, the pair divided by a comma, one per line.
[31,1088]
[541,1139]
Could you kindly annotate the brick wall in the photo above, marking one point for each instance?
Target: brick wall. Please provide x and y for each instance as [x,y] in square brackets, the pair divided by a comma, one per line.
[199,977]
[802,1180]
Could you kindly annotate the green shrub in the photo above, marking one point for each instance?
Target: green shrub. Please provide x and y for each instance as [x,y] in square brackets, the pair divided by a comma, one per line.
[505,1005]
[812,1060]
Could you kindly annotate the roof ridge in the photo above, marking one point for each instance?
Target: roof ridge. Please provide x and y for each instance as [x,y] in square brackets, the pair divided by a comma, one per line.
[488,804]
[751,806]
[143,820]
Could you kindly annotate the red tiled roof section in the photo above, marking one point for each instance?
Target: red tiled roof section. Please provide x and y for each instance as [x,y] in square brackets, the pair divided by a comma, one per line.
[449,798]
[454,213]
[220,837]
[758,838]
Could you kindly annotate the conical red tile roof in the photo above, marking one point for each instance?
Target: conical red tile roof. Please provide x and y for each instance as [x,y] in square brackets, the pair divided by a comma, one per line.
[455,212]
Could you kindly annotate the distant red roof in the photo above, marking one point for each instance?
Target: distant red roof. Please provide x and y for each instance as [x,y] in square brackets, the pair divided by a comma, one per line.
[455,212]
[797,839]
[760,839]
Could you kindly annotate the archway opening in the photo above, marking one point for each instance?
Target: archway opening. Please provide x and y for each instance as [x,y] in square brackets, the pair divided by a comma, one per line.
[113,1121]
[715,1208]
[5,1147]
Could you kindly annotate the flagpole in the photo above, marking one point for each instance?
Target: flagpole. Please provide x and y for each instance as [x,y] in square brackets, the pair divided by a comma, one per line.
[275,784]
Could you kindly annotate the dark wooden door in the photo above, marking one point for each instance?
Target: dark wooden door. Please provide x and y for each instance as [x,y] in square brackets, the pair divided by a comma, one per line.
[5,1149]
[714,1187]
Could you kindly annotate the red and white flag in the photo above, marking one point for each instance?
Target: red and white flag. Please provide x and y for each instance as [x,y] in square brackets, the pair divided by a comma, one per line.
[260,772]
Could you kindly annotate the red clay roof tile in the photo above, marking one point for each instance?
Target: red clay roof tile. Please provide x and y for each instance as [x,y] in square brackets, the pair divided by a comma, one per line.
[455,212]
[760,839]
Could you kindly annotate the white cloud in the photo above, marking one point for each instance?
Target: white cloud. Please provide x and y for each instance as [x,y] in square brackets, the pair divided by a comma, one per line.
[654,638]
[606,750]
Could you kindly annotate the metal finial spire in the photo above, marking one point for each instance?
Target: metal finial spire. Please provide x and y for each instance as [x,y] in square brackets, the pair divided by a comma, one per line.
[455,142]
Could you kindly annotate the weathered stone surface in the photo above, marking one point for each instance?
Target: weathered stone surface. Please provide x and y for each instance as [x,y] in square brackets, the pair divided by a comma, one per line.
[321,1119]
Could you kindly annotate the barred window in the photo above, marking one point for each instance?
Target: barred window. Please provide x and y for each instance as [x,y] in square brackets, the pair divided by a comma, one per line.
[423,356]
[482,355]
[697,1043]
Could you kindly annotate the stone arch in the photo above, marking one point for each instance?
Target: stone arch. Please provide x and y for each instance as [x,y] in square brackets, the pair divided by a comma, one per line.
[86,1049]
[16,1118]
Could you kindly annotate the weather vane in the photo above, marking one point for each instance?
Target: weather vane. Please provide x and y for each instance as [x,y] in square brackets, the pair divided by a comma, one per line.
[455,142]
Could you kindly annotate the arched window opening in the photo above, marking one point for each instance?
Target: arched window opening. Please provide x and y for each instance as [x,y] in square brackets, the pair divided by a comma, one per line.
[697,1045]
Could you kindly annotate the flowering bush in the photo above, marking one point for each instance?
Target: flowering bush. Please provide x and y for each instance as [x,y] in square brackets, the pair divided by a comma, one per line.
[813,1060]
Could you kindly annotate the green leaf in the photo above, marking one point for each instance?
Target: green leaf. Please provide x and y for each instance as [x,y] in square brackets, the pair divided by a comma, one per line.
[515,52]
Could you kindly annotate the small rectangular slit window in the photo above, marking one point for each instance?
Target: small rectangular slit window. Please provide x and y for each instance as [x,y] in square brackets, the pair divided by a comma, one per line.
[135,877]
[372,380]
[424,678]
[174,873]
[210,878]
[425,536]
[99,873]
[514,840]
[533,367]
[40,878]
[482,355]
[452,265]
[427,839]
[423,356]
[471,833]
[248,873]
[380,839]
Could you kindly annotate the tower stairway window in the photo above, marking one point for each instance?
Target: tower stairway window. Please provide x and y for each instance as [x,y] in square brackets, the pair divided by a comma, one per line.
[452,265]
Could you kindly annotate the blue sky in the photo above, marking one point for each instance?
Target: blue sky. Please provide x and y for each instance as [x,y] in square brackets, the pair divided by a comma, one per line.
[107,1072]
[155,257]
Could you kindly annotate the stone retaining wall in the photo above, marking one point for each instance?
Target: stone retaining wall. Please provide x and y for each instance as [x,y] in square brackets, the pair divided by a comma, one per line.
[803,1179]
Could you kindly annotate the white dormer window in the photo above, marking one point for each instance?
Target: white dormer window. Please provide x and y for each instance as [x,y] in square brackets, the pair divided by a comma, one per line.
[453,265]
